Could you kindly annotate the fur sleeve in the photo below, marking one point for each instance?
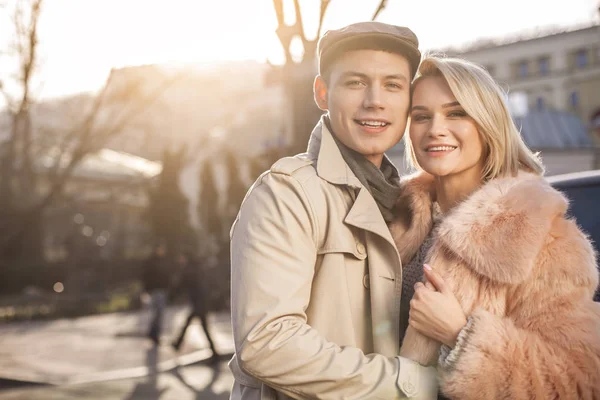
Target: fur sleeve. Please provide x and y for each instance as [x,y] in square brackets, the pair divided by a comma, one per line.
[494,359]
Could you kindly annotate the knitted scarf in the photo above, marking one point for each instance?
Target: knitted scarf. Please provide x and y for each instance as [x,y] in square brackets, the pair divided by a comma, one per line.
[382,183]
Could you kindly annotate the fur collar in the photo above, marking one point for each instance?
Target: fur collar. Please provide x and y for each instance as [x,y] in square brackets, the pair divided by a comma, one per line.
[498,231]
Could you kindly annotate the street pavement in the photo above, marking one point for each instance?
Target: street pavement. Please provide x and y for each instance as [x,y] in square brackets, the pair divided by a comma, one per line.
[109,357]
[195,382]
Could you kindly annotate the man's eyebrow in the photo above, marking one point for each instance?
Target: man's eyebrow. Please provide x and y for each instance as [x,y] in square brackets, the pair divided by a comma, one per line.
[399,77]
[365,76]
[354,73]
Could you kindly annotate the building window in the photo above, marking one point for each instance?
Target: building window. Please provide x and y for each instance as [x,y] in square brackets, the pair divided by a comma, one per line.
[539,103]
[523,69]
[582,58]
[574,99]
[544,65]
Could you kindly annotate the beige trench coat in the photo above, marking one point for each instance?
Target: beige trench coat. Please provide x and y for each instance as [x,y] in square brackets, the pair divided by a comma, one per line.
[316,284]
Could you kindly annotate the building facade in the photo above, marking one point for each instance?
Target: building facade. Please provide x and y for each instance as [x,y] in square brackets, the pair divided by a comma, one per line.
[555,77]
[559,71]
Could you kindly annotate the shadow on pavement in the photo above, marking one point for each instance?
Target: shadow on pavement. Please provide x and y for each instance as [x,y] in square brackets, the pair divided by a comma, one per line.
[208,392]
[149,389]
[15,384]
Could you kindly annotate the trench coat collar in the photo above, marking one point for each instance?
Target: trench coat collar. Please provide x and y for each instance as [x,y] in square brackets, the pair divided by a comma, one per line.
[331,167]
[329,161]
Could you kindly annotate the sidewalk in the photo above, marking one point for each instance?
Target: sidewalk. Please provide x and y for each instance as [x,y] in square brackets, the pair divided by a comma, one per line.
[102,347]
[196,382]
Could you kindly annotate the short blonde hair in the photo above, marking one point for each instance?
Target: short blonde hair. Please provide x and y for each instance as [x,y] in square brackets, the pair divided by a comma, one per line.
[484,101]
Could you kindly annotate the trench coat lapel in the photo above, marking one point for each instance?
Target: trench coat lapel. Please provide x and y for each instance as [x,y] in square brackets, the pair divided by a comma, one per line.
[331,166]
[365,215]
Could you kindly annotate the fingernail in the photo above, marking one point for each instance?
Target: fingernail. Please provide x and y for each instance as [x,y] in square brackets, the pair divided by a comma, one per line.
[427,267]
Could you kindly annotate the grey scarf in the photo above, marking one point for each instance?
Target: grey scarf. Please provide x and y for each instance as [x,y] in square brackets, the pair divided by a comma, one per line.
[383,184]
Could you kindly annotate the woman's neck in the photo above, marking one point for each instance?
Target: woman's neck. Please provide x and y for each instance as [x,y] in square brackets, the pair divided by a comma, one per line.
[453,189]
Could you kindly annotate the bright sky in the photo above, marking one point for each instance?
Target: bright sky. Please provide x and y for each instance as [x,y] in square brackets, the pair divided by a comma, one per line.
[80,40]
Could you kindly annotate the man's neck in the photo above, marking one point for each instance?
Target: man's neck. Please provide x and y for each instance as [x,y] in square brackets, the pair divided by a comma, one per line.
[375,159]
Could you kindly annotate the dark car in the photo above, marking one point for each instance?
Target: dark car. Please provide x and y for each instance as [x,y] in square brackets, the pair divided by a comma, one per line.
[583,191]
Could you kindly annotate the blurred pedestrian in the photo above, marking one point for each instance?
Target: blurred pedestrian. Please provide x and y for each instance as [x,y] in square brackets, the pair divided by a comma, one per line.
[156,280]
[193,282]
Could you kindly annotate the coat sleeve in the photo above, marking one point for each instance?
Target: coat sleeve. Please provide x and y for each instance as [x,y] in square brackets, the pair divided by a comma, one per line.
[273,256]
[495,359]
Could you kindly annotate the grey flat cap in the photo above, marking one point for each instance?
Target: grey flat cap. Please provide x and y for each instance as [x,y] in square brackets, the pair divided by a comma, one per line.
[369,35]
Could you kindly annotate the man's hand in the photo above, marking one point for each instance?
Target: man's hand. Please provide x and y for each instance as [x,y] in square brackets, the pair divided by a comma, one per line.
[435,311]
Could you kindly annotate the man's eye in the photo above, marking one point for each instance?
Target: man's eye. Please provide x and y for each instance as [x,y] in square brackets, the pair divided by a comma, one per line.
[394,86]
[354,83]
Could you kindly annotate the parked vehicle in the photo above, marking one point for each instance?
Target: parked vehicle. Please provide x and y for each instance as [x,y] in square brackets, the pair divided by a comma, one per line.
[583,191]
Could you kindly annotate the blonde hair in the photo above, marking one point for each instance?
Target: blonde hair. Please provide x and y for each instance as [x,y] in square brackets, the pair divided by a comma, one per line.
[484,101]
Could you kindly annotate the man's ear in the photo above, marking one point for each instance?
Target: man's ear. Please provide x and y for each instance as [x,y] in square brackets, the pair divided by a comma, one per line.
[320,92]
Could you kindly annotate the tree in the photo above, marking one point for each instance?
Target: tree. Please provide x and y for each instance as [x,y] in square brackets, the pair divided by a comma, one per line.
[16,169]
[22,201]
[298,76]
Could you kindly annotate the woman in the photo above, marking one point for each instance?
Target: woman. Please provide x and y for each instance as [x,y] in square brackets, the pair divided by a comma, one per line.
[509,298]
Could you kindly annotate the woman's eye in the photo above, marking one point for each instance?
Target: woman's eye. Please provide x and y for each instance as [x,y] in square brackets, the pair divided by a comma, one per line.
[420,117]
[457,114]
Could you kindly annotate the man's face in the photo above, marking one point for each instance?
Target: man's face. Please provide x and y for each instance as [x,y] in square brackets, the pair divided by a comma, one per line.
[367,96]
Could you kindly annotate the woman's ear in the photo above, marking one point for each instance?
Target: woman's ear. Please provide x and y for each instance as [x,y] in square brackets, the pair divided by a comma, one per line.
[320,93]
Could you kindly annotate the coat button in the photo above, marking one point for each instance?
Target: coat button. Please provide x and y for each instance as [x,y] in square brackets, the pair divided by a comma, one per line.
[408,388]
[366,282]
[360,248]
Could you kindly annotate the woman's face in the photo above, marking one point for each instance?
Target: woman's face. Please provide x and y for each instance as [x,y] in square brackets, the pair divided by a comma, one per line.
[445,139]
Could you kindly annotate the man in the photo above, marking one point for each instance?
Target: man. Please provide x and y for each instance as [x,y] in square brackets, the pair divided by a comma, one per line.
[316,276]
[156,279]
[194,282]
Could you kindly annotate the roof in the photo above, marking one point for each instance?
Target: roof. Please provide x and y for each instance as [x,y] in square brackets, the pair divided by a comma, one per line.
[536,33]
[548,129]
[108,165]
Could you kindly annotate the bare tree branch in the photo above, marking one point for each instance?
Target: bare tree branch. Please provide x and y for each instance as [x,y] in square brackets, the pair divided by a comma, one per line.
[287,33]
[380,8]
[89,142]
[324,5]
[299,25]
[92,141]
[278,5]
[16,159]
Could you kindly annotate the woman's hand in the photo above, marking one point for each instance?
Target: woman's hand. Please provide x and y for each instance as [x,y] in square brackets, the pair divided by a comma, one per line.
[435,311]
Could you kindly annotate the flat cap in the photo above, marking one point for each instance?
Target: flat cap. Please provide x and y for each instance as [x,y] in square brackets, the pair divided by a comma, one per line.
[369,35]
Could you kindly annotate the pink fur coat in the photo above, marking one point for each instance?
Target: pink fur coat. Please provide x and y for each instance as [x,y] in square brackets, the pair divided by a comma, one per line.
[526,276]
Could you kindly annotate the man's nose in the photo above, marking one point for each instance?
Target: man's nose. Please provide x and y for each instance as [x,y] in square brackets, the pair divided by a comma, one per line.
[373,97]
